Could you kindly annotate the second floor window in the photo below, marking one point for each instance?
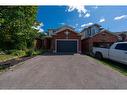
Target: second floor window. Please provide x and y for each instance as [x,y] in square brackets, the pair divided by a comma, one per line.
[89,32]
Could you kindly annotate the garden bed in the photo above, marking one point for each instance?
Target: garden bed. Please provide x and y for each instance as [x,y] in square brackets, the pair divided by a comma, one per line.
[12,62]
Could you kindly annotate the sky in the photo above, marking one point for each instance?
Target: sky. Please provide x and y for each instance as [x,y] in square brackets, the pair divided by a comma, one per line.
[113,18]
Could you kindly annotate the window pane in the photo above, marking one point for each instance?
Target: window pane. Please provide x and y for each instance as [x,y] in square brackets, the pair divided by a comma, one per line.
[121,46]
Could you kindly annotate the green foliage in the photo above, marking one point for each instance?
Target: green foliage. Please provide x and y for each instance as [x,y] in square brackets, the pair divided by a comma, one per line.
[32,52]
[38,52]
[41,35]
[5,57]
[18,53]
[15,27]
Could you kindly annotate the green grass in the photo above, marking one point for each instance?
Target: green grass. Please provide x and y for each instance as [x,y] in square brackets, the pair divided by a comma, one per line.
[6,57]
[114,65]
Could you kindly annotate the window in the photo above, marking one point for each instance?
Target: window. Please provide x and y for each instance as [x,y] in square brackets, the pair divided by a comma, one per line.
[122,46]
[89,32]
[93,31]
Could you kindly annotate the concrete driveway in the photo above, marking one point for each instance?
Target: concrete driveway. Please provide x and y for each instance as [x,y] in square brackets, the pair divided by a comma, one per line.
[62,72]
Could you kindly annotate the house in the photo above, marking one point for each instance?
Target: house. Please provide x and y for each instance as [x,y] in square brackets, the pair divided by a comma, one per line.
[63,39]
[90,30]
[102,38]
[66,39]
[122,35]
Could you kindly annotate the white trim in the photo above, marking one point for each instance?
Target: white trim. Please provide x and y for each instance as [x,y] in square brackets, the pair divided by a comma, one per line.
[67,40]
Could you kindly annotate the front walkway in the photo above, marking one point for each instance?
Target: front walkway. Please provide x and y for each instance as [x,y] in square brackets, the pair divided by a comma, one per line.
[62,72]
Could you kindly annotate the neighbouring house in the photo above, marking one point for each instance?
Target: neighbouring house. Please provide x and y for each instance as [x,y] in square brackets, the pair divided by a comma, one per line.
[90,30]
[102,38]
[122,35]
[63,39]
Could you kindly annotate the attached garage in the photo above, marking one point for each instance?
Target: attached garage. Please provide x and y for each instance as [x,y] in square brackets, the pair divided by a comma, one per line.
[65,39]
[67,46]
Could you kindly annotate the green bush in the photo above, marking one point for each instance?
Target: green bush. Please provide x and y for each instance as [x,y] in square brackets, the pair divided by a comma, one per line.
[30,52]
[17,52]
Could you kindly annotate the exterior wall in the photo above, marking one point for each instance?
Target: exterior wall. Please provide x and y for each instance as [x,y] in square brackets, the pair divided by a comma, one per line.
[102,37]
[85,45]
[62,35]
[47,43]
[83,34]
[94,30]
[90,31]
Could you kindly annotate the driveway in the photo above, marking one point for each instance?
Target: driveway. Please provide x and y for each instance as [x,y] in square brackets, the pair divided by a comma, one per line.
[62,72]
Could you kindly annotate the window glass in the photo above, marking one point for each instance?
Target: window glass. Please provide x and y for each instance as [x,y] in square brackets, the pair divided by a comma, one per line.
[121,46]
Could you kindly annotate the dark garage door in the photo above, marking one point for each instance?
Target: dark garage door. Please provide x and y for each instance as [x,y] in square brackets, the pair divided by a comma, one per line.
[67,46]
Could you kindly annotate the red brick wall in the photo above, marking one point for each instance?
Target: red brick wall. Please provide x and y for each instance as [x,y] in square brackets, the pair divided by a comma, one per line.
[47,43]
[62,35]
[104,36]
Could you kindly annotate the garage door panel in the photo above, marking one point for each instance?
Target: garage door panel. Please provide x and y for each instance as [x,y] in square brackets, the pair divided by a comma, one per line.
[66,46]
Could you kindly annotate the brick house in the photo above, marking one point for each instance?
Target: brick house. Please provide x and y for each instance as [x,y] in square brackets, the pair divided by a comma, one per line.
[66,39]
[122,35]
[103,38]
[63,39]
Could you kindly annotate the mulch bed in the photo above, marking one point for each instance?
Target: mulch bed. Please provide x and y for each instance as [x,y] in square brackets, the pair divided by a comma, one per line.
[12,62]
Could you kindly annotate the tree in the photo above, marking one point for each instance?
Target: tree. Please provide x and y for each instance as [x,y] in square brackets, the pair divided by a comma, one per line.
[15,26]
[40,32]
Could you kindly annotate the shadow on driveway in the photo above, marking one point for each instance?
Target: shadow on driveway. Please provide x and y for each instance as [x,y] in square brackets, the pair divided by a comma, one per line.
[59,53]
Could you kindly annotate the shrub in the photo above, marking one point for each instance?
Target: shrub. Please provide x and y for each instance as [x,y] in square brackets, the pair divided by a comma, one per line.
[2,52]
[30,52]
[18,53]
[38,52]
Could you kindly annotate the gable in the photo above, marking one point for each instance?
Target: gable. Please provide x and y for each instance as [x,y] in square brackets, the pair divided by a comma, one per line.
[65,29]
[67,33]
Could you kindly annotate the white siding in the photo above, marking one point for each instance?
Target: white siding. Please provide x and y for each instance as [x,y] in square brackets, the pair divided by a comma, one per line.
[90,32]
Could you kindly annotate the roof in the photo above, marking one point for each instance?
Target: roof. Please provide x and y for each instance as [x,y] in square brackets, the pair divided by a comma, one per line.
[118,33]
[63,28]
[66,26]
[95,24]
[86,27]
[101,32]
[106,31]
